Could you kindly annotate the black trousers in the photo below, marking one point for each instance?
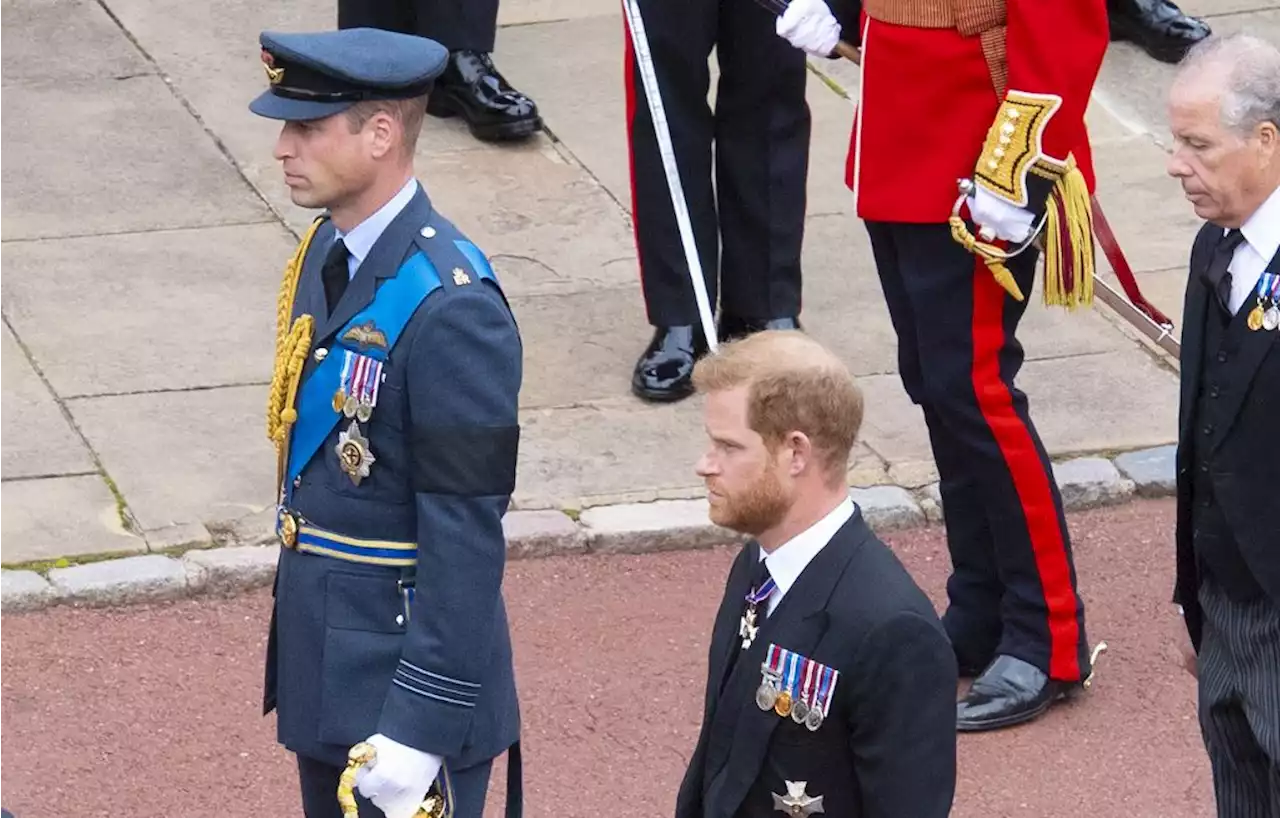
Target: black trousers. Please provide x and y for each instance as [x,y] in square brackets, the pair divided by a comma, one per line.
[758,139]
[319,783]
[1239,672]
[458,25]
[1013,584]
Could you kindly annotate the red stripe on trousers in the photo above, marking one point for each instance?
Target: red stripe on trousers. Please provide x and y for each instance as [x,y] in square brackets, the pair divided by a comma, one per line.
[1030,478]
[629,80]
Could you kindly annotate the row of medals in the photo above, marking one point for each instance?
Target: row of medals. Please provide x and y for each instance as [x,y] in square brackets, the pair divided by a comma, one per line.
[771,696]
[352,407]
[1267,318]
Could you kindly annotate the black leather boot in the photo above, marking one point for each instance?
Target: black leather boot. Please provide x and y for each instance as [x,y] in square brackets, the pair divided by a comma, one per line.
[1158,27]
[664,372]
[472,87]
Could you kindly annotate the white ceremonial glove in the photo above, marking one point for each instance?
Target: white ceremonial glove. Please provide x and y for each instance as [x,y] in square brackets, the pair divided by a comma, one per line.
[1008,222]
[809,26]
[399,777]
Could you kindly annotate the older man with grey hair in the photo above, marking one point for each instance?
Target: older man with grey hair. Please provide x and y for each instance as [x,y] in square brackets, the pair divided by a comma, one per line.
[1224,111]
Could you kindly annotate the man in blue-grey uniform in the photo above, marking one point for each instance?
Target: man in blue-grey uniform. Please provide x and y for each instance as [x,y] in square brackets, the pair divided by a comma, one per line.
[393,408]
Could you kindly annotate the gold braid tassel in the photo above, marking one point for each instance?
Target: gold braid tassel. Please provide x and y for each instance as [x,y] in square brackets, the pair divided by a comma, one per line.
[1068,242]
[293,340]
[989,254]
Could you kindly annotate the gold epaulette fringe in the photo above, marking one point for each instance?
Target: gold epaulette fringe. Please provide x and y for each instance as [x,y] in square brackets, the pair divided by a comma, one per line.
[293,340]
[1068,242]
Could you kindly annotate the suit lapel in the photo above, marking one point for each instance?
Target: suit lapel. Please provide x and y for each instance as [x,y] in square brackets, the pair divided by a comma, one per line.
[725,640]
[309,298]
[1194,313]
[1253,349]
[382,262]
[740,730]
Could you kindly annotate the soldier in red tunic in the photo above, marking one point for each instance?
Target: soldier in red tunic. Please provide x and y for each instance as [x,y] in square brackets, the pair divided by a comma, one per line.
[993,92]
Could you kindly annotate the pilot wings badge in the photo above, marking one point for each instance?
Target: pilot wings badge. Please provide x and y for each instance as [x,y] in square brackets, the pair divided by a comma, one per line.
[366,336]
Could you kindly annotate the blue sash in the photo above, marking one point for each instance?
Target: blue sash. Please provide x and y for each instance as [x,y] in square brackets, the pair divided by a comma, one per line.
[391,308]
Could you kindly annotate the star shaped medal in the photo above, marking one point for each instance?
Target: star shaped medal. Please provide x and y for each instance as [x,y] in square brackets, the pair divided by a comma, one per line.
[354,454]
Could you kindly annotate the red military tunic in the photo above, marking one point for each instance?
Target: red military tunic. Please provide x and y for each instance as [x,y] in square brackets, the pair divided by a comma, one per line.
[929,98]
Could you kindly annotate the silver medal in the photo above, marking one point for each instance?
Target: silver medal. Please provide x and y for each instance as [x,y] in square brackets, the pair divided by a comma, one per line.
[799,711]
[767,693]
[1271,319]
[814,720]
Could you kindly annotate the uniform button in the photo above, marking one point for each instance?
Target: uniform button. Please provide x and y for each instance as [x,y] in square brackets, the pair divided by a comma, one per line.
[1208,429]
[321,353]
[428,232]
[1215,392]
[1222,357]
[297,482]
[399,619]
[1204,469]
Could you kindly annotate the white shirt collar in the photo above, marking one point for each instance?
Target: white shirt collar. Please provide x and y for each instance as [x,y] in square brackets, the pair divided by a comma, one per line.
[1262,229]
[365,234]
[791,558]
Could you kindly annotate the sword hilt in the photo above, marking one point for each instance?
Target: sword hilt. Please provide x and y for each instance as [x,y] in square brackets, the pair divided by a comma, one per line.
[364,753]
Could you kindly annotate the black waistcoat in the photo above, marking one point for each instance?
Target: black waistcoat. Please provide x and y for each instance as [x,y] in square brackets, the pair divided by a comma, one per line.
[1217,553]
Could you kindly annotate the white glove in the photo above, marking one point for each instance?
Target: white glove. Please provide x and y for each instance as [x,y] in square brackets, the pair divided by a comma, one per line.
[809,26]
[1008,222]
[399,777]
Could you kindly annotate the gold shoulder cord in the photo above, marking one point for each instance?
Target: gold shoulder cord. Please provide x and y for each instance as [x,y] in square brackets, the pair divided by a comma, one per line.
[292,344]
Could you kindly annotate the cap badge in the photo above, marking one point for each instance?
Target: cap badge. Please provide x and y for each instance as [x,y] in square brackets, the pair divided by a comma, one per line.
[274,75]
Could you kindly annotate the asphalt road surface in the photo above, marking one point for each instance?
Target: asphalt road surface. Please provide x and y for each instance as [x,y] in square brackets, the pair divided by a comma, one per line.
[156,710]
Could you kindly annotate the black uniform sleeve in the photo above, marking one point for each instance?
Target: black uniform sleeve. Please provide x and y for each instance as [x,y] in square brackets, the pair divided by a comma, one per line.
[903,720]
[849,14]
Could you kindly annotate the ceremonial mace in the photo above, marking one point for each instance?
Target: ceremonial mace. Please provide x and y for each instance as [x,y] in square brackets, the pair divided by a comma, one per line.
[1132,306]
[653,96]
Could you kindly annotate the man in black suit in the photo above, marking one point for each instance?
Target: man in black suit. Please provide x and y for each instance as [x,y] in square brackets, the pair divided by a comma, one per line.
[1224,111]
[831,683]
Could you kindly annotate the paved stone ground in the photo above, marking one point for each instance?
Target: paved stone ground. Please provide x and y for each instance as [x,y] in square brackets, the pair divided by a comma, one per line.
[155,709]
[146,226]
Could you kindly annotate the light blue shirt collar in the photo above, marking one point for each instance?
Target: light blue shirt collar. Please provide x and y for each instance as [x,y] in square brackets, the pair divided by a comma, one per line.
[365,234]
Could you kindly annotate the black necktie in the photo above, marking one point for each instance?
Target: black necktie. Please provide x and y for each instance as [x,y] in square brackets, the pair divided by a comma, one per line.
[1216,274]
[335,274]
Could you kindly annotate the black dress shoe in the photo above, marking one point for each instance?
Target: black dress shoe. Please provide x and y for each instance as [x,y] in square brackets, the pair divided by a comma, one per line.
[1158,27]
[471,86]
[1010,691]
[733,327]
[665,371]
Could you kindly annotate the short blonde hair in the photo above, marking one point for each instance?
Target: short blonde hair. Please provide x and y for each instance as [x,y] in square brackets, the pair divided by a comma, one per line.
[795,384]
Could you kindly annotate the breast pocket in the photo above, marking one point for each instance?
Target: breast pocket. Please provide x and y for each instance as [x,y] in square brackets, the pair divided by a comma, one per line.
[382,443]
[363,630]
